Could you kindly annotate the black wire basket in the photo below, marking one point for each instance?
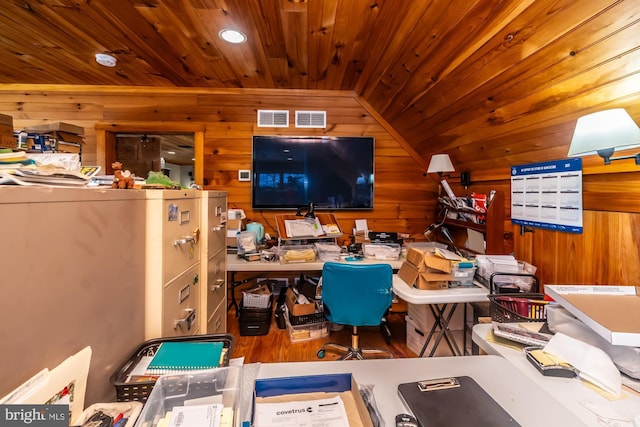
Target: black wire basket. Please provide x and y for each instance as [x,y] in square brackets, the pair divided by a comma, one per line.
[508,304]
[139,390]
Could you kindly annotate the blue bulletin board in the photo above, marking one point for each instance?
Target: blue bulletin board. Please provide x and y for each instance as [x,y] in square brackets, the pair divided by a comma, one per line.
[548,195]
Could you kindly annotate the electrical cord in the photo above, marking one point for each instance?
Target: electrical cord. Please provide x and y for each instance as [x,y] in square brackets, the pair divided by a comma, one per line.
[435,226]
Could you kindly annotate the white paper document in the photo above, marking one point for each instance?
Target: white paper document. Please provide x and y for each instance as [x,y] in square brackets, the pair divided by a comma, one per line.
[197,415]
[303,228]
[328,412]
[592,363]
[361,225]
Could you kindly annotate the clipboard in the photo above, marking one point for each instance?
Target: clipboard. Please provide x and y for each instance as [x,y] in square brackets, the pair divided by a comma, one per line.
[453,402]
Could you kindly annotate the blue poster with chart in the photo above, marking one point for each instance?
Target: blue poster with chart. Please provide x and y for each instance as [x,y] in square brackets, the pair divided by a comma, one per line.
[548,195]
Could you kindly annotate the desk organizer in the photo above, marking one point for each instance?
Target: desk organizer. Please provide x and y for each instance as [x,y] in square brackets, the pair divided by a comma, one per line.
[139,391]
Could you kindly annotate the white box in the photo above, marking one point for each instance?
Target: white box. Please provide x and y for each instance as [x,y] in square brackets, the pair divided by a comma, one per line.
[611,311]
[423,317]
[417,336]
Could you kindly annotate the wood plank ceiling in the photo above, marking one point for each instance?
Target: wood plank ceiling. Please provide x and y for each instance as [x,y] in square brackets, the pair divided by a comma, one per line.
[491,82]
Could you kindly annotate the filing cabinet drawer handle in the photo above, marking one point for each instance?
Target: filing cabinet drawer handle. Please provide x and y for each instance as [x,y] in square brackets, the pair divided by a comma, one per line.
[187,320]
[184,241]
[218,285]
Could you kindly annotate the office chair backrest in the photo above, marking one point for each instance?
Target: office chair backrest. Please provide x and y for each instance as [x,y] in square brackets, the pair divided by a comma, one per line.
[356,294]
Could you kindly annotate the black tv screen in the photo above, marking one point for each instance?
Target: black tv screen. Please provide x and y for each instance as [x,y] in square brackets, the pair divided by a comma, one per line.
[332,172]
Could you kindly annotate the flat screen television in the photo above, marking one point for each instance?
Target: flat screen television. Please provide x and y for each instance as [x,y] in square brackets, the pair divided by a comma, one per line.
[335,173]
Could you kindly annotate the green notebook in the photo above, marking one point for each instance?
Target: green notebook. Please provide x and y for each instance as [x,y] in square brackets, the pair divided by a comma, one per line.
[176,357]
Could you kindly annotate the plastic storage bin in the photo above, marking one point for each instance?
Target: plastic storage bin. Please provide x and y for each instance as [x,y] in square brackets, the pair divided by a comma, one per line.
[255,321]
[463,273]
[297,254]
[327,251]
[140,390]
[381,251]
[259,297]
[220,385]
[306,331]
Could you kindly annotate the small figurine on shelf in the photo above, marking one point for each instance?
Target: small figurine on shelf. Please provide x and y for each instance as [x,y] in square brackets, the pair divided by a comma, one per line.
[121,179]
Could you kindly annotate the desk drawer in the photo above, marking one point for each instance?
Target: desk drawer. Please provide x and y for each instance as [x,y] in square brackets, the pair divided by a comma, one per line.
[181,303]
[216,233]
[216,281]
[181,236]
[217,322]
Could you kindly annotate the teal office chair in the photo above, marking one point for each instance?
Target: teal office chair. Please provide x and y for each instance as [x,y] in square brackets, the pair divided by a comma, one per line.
[356,295]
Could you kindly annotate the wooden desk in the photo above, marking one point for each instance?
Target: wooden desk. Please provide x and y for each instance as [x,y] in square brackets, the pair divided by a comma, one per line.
[439,301]
[514,391]
[569,392]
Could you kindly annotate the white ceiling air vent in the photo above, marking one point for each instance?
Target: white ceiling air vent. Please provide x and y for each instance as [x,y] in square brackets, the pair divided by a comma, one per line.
[311,119]
[273,118]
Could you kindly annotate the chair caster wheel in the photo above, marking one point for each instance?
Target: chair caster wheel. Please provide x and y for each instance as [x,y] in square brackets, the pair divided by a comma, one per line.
[320,354]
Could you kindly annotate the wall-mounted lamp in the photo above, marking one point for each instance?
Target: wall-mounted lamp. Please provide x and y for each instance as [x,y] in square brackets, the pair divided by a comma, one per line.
[602,132]
[441,163]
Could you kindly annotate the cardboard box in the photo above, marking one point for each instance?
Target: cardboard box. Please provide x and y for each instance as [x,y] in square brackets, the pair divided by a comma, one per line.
[298,309]
[425,280]
[437,263]
[56,126]
[424,259]
[233,227]
[415,257]
[8,141]
[433,281]
[409,273]
[423,318]
[6,129]
[236,224]
[6,120]
[611,311]
[417,335]
[310,387]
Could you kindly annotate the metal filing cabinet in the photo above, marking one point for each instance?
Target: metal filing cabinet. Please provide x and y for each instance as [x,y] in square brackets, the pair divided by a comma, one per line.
[172,263]
[214,262]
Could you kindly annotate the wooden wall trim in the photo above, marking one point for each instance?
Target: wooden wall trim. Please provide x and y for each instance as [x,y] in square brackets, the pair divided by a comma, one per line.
[424,164]
[98,89]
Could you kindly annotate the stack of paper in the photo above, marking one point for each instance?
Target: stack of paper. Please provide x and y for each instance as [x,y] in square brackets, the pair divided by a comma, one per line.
[303,228]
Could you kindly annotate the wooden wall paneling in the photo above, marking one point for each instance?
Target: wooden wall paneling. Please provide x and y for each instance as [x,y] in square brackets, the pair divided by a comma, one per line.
[450,55]
[613,192]
[404,197]
[606,253]
[517,68]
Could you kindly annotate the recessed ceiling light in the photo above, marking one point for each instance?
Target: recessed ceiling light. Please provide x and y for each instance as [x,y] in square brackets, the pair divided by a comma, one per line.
[106,60]
[232,36]
[171,152]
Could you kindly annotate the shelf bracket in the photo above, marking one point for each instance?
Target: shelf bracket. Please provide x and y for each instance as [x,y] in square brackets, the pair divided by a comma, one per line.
[525,229]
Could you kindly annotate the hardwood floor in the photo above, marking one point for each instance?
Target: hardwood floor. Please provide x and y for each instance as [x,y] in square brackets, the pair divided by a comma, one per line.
[276,346]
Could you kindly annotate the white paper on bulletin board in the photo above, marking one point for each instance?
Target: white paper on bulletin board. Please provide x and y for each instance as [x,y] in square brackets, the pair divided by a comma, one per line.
[548,195]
